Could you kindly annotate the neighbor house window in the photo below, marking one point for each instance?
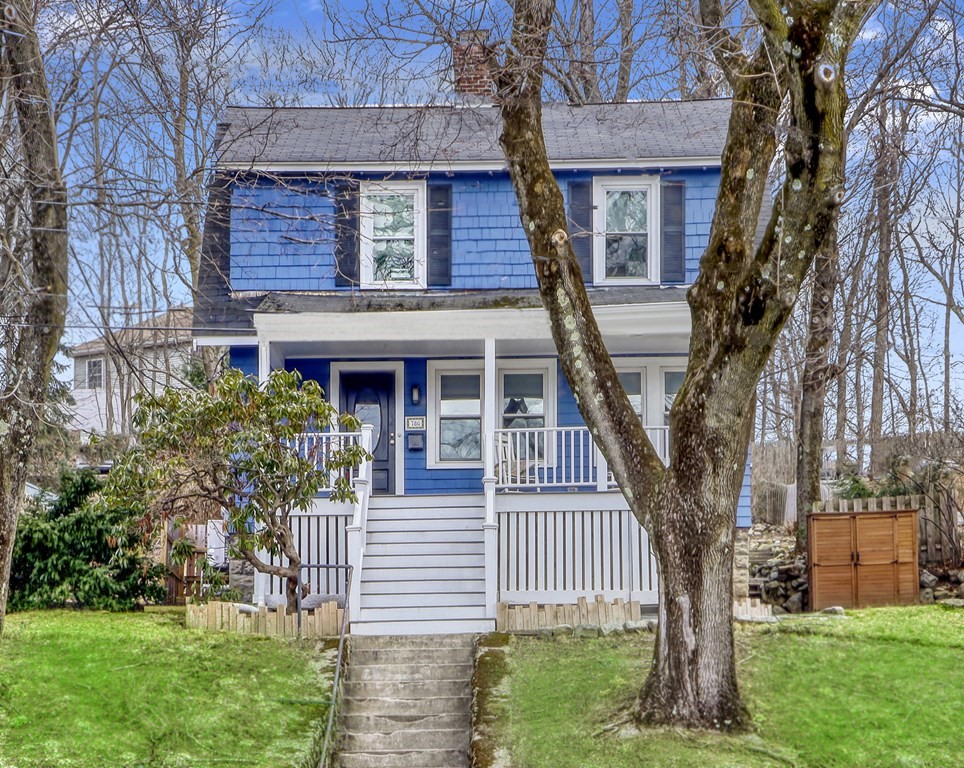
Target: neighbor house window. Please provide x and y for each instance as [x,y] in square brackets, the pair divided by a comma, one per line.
[393,235]
[95,374]
[626,216]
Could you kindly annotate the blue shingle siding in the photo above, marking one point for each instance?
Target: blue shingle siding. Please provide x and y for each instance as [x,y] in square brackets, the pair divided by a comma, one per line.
[743,508]
[282,235]
[701,189]
[245,359]
[311,368]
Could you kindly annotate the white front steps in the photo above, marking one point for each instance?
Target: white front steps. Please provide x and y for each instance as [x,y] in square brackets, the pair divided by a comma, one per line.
[424,567]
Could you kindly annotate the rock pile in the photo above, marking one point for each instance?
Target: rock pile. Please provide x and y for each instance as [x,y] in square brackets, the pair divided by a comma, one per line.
[941,584]
[782,583]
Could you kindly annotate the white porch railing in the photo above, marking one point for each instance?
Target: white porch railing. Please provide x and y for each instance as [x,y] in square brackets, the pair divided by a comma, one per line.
[320,445]
[557,548]
[329,533]
[557,457]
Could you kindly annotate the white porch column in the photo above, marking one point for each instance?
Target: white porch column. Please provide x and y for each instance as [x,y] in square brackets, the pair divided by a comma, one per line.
[264,360]
[358,528]
[490,527]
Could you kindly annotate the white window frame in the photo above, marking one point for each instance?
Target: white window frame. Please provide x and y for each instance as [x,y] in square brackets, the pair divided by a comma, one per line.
[366,230]
[99,361]
[600,186]
[435,370]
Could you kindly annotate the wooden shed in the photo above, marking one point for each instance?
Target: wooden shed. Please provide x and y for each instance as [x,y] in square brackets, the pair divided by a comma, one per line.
[862,559]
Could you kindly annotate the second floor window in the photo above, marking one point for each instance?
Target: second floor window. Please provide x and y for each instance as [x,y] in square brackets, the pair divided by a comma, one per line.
[626,226]
[393,235]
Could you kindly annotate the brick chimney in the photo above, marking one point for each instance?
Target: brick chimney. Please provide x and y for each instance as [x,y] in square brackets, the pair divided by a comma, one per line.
[470,62]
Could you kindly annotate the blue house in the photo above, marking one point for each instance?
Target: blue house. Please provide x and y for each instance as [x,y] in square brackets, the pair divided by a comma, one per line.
[378,250]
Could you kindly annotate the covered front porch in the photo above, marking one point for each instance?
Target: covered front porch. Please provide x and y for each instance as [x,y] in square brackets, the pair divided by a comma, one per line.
[485,487]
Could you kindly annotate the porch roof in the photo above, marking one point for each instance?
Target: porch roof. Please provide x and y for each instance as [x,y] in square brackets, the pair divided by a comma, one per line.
[408,301]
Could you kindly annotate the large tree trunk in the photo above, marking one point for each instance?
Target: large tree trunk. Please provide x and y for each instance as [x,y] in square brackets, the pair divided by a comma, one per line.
[738,305]
[35,287]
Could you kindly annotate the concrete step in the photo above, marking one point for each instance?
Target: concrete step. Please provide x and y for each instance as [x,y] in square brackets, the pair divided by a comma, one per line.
[386,586]
[413,671]
[423,548]
[436,706]
[424,612]
[427,536]
[408,641]
[389,723]
[414,524]
[454,655]
[438,627]
[406,689]
[408,739]
[425,599]
[422,562]
[436,758]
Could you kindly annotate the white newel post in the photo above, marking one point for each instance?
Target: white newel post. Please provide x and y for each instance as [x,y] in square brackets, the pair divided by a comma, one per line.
[602,470]
[359,525]
[490,527]
[264,361]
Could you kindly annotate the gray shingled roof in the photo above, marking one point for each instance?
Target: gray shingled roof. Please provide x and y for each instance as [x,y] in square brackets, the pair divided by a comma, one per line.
[469,134]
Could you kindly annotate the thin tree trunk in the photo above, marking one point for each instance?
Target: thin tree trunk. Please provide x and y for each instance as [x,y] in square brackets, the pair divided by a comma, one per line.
[31,351]
[817,373]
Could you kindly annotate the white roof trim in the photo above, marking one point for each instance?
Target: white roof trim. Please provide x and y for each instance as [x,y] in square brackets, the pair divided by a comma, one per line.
[709,161]
[225,341]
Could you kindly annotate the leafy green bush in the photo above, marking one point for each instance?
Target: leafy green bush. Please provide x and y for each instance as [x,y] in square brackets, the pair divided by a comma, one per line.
[77,552]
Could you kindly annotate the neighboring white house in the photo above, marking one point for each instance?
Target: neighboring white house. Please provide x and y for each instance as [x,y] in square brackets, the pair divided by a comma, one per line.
[109,370]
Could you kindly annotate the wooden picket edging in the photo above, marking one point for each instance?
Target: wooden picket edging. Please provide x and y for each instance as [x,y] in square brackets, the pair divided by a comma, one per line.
[520,618]
[325,621]
[939,537]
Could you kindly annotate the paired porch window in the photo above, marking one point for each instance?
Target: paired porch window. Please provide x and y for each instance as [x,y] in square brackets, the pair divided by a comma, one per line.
[460,417]
[672,381]
[393,235]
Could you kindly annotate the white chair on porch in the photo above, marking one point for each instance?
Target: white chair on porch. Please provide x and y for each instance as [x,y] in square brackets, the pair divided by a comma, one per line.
[513,469]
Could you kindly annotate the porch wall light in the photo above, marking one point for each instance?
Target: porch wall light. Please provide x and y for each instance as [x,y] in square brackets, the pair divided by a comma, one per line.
[416,394]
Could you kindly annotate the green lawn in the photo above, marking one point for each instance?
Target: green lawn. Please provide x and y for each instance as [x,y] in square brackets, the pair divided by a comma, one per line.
[881,689]
[101,690]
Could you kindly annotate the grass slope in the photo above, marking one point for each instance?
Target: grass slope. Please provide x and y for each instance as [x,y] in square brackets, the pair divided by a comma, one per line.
[103,690]
[882,689]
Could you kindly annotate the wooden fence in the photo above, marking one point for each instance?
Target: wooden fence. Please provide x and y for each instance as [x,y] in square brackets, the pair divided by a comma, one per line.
[521,618]
[939,536]
[555,548]
[324,621]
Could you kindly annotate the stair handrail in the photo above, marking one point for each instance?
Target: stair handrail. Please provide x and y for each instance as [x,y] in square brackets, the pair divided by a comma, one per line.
[342,633]
[358,529]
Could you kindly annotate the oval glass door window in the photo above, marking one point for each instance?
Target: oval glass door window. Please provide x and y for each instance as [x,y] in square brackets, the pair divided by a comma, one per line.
[368,410]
